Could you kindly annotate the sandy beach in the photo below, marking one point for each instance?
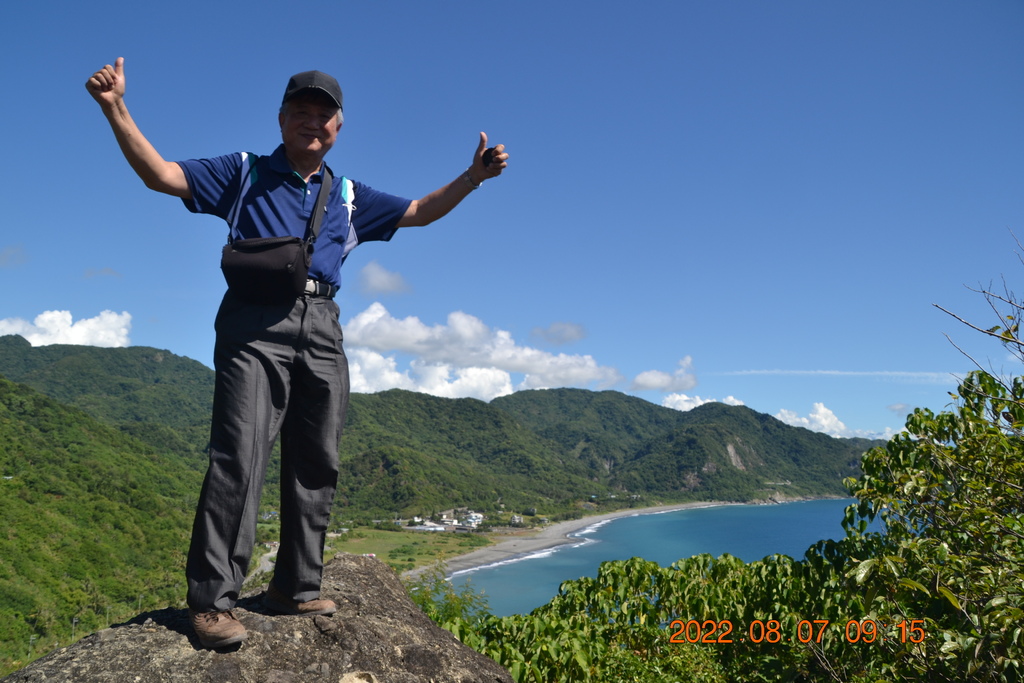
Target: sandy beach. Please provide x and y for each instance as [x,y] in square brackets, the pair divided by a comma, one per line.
[549,537]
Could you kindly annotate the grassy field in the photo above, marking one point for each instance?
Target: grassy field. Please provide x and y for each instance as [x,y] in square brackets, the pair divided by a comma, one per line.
[402,550]
[405,550]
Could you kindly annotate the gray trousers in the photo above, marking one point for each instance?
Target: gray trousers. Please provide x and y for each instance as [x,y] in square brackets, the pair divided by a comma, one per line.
[280,369]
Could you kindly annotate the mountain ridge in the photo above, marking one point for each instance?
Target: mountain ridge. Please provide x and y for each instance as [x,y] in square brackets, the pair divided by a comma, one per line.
[413,452]
[102,453]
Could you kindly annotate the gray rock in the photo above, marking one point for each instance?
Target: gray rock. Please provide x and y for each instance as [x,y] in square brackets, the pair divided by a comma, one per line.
[378,635]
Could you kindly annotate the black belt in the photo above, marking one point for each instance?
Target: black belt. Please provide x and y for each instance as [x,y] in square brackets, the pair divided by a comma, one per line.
[317,288]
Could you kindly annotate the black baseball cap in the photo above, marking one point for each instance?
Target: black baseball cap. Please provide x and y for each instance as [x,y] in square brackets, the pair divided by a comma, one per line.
[316,80]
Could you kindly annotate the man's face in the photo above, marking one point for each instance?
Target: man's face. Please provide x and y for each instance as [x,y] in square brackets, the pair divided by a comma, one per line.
[309,124]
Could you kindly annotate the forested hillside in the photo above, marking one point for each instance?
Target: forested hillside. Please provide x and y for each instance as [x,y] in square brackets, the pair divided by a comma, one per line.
[407,453]
[714,451]
[156,396]
[415,453]
[102,453]
[734,453]
[95,523]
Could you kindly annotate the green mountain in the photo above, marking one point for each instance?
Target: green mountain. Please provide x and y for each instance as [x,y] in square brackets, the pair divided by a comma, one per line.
[96,522]
[715,451]
[102,453]
[410,453]
[156,396]
[732,452]
[600,430]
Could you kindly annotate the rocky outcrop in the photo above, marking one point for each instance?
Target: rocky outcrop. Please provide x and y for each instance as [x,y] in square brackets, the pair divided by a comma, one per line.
[378,635]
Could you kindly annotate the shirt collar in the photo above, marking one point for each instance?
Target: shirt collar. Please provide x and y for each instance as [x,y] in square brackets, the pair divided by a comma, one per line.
[279,163]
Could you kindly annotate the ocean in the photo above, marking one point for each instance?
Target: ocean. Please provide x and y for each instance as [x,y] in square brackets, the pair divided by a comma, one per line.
[750,532]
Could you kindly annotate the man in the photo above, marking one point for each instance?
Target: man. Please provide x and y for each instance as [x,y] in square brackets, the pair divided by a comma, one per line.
[280,366]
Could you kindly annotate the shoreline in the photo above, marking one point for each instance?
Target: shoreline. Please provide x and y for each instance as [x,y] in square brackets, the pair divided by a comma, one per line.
[551,536]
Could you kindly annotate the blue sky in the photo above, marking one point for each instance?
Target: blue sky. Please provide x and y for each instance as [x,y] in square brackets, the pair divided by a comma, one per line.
[755,202]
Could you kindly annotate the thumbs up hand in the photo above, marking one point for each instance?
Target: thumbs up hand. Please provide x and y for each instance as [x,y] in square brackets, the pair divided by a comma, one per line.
[488,162]
[107,85]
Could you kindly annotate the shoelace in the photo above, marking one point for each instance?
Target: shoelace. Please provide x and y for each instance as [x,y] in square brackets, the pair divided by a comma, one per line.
[214,617]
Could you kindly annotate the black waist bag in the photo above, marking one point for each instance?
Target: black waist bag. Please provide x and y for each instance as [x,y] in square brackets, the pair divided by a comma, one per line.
[272,270]
[266,269]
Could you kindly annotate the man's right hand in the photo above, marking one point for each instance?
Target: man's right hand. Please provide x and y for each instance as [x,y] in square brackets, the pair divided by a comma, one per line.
[107,85]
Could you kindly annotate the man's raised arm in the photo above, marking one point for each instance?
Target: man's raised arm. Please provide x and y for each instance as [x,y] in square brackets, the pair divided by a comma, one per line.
[487,163]
[107,87]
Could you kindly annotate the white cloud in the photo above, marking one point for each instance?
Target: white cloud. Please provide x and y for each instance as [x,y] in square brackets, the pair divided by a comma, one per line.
[56,327]
[681,380]
[683,402]
[482,383]
[824,420]
[371,372]
[821,419]
[375,279]
[464,357]
[560,333]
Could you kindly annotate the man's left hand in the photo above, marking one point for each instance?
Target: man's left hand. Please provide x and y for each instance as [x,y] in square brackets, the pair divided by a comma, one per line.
[479,171]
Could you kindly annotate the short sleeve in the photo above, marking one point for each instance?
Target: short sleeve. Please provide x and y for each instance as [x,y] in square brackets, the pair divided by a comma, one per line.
[377,213]
[213,183]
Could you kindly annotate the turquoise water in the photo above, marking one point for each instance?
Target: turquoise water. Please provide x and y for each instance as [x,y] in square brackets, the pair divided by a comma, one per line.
[749,532]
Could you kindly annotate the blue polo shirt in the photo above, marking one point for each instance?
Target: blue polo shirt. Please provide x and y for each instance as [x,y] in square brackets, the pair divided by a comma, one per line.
[261,196]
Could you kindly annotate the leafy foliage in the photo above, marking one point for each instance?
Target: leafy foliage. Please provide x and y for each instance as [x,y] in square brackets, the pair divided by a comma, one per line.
[594,630]
[951,493]
[442,602]
[937,597]
[96,523]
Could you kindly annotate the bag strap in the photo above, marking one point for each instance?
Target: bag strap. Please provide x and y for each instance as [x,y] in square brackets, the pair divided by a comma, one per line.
[321,204]
[248,176]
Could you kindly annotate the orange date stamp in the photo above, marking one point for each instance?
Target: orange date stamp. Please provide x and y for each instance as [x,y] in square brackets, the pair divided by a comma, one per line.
[723,631]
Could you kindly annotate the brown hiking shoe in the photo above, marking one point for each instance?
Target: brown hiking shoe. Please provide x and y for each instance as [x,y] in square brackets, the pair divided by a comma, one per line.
[217,629]
[277,601]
